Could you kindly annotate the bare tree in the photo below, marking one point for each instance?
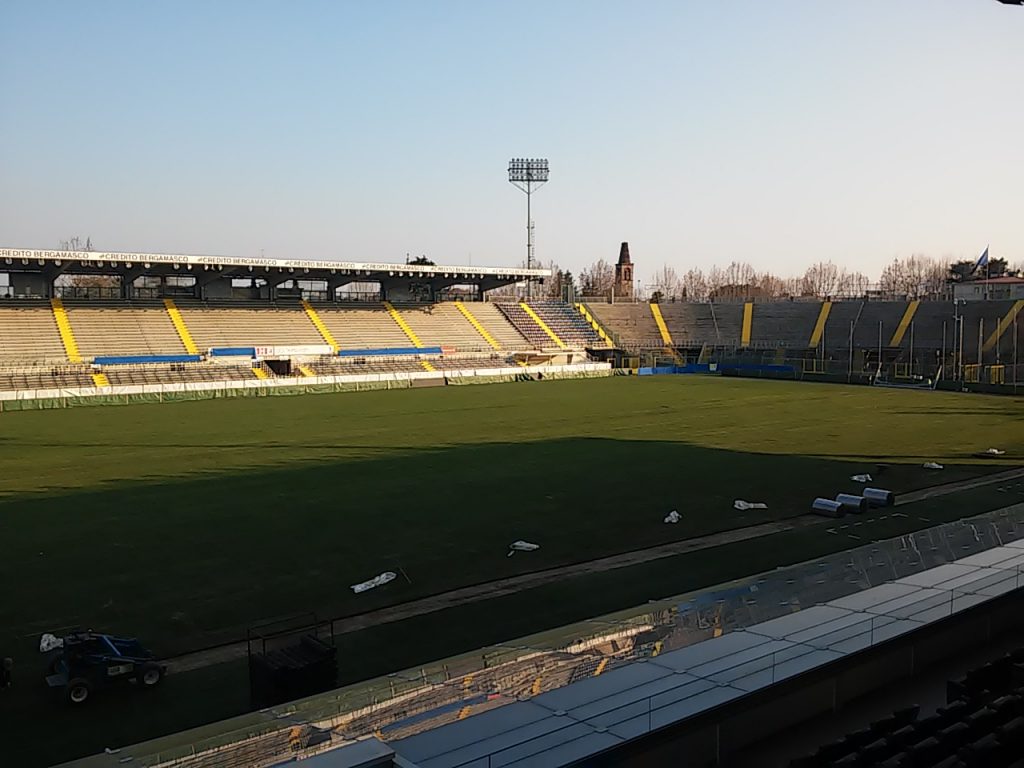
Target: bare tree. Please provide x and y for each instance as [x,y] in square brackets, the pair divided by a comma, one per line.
[770,286]
[75,244]
[937,275]
[667,283]
[695,285]
[597,279]
[854,283]
[893,279]
[821,279]
[554,286]
[715,280]
[915,276]
[739,273]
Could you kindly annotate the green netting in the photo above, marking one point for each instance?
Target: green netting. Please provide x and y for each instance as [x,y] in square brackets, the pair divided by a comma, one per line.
[464,380]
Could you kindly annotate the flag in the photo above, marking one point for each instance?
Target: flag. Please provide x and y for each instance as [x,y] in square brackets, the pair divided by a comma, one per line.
[982,260]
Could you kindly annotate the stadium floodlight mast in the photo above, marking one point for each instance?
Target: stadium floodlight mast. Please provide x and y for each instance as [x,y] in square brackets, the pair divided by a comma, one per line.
[528,175]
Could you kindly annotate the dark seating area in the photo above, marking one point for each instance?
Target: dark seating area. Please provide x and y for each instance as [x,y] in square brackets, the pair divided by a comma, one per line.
[568,324]
[183,373]
[43,377]
[526,325]
[982,724]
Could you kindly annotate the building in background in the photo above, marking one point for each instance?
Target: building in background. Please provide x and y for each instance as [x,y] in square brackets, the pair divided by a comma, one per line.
[996,289]
[624,274]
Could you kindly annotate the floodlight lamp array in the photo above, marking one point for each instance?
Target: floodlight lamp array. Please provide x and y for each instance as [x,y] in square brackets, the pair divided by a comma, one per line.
[528,169]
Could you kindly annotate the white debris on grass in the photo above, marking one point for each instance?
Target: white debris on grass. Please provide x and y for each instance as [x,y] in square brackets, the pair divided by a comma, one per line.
[49,642]
[994,452]
[521,546]
[375,582]
[861,478]
[743,506]
[673,517]
[932,465]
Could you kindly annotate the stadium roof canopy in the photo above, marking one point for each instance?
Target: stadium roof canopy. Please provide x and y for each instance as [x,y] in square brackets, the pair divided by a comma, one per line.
[37,273]
[92,262]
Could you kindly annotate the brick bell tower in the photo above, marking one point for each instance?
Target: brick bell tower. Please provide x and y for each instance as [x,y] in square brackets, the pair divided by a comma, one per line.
[624,273]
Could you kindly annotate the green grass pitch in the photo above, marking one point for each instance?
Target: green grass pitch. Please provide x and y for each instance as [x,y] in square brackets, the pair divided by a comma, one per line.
[184,523]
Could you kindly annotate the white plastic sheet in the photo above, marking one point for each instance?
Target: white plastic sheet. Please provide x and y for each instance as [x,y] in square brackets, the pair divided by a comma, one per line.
[932,465]
[49,643]
[375,582]
[861,478]
[673,517]
[521,546]
[743,506]
[994,452]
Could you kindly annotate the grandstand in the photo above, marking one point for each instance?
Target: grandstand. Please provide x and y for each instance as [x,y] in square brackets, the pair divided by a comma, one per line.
[969,342]
[635,329]
[499,327]
[28,332]
[206,310]
[458,326]
[102,328]
[247,326]
[211,320]
[567,324]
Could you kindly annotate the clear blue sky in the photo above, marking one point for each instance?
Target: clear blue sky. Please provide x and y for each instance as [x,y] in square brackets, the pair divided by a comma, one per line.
[777,132]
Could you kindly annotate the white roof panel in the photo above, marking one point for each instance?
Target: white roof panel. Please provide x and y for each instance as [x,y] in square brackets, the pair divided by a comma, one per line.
[670,682]
[912,603]
[868,598]
[782,668]
[624,678]
[784,626]
[934,577]
[673,713]
[991,557]
[882,628]
[708,650]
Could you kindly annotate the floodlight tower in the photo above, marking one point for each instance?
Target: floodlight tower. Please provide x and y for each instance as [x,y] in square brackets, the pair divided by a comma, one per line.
[528,175]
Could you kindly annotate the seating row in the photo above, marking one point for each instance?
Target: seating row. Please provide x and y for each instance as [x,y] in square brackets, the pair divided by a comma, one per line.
[982,724]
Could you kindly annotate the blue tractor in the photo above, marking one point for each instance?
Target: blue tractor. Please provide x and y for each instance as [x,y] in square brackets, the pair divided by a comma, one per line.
[85,661]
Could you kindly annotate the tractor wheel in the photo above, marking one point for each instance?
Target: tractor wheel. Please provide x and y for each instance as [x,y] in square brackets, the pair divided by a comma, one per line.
[150,675]
[78,690]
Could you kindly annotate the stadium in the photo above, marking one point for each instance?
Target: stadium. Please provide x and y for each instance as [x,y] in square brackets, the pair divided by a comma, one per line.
[306,461]
[519,573]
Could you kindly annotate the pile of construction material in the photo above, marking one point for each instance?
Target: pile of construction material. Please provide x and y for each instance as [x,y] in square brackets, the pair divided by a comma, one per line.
[853,504]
